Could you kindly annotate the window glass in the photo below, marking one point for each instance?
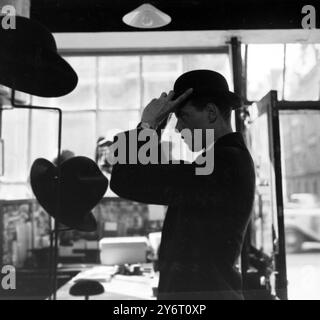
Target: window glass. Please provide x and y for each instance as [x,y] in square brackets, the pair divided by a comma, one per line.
[302,72]
[79,133]
[15,135]
[159,73]
[44,134]
[115,89]
[83,97]
[119,82]
[216,62]
[110,123]
[264,70]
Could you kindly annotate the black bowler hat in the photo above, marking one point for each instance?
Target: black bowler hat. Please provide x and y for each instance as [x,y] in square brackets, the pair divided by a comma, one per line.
[207,83]
[83,185]
[29,61]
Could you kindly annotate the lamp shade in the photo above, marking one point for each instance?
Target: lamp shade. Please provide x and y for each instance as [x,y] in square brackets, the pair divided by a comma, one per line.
[146,17]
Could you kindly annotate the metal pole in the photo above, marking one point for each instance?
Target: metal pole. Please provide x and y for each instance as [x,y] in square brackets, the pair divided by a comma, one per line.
[237,79]
[54,236]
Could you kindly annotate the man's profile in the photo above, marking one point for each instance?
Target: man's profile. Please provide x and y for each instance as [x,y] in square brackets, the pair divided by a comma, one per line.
[207,215]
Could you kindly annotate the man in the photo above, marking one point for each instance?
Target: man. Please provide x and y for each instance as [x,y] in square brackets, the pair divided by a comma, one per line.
[207,214]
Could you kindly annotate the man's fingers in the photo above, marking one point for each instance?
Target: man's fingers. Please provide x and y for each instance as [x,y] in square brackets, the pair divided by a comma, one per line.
[178,101]
[170,94]
[183,97]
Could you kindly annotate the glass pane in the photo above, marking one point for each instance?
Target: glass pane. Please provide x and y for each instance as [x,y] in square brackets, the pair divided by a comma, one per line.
[110,123]
[300,142]
[264,221]
[159,73]
[15,135]
[119,83]
[216,62]
[79,133]
[302,72]
[265,70]
[44,134]
[84,95]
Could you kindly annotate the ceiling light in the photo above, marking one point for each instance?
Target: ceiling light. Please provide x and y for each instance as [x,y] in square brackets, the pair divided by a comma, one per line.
[146,17]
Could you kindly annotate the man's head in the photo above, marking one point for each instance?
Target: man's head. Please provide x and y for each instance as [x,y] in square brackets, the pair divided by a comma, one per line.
[208,107]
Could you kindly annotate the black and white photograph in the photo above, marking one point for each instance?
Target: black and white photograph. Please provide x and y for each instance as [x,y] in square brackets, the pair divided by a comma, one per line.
[159,151]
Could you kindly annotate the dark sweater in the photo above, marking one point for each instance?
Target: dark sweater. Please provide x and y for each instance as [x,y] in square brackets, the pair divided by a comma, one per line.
[206,219]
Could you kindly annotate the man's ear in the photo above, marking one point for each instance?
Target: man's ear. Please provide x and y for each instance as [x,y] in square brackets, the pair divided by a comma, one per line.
[212,111]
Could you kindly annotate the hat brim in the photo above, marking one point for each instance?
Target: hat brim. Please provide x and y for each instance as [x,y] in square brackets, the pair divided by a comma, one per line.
[87,223]
[52,77]
[45,188]
[29,61]
[227,98]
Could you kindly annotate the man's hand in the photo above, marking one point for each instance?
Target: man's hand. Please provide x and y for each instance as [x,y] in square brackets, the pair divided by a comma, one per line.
[159,109]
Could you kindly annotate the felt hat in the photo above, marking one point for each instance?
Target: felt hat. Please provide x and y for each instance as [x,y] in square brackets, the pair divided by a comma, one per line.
[29,61]
[207,83]
[83,185]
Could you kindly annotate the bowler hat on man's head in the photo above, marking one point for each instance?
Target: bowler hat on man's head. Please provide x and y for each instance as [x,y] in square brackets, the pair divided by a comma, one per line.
[207,83]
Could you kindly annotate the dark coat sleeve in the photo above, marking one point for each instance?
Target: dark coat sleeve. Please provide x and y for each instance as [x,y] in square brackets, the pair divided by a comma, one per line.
[168,184]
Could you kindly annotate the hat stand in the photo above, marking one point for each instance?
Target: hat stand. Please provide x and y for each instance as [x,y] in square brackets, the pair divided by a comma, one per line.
[54,234]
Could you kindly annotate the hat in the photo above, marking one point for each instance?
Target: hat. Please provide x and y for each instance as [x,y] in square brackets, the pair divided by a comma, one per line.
[83,185]
[29,61]
[207,83]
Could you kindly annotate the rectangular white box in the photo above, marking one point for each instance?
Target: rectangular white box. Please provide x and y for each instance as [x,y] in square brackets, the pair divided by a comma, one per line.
[123,250]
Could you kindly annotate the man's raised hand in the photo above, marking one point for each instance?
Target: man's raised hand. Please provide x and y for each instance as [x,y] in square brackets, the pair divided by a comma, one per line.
[159,109]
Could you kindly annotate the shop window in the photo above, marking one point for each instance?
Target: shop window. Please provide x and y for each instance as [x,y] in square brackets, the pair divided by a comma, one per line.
[119,82]
[264,70]
[83,97]
[109,97]
[15,131]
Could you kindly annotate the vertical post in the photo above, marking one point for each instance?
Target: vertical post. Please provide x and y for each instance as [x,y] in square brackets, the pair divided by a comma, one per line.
[238,82]
[1,234]
[240,88]
[281,263]
[54,239]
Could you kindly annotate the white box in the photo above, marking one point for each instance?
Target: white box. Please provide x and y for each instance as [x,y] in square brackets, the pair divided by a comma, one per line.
[123,250]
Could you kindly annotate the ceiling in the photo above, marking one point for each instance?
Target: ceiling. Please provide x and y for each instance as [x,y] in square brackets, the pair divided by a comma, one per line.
[106,15]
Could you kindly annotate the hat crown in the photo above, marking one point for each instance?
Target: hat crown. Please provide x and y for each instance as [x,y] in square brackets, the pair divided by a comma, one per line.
[207,83]
[29,61]
[82,186]
[202,81]
[28,37]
